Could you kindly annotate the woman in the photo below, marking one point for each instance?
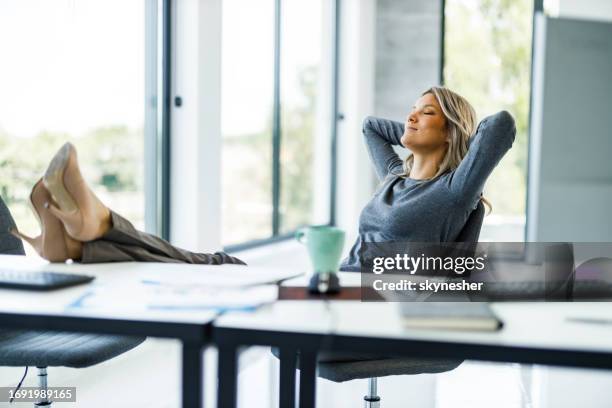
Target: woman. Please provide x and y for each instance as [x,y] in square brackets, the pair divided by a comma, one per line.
[429,196]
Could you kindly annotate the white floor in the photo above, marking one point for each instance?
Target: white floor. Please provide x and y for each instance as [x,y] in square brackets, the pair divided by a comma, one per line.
[149,377]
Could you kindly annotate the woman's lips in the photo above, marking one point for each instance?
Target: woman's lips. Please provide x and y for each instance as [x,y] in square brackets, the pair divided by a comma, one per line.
[412,128]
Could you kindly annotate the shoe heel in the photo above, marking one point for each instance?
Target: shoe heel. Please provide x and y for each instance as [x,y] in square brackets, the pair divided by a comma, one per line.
[36,243]
[54,180]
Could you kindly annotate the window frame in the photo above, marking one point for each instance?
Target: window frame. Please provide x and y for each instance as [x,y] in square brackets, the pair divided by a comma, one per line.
[538,8]
[158,105]
[277,133]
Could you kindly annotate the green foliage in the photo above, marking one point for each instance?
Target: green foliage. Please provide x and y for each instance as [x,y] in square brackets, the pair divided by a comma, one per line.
[247,186]
[110,157]
[113,155]
[297,156]
[247,158]
[488,60]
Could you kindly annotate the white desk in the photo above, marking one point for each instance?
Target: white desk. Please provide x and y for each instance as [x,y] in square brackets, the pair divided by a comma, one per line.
[536,333]
[128,313]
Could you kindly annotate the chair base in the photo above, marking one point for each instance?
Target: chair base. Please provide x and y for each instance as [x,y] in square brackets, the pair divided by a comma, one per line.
[42,387]
[371,403]
[372,400]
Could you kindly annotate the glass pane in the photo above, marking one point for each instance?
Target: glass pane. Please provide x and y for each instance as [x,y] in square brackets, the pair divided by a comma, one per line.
[488,60]
[305,119]
[246,119]
[73,71]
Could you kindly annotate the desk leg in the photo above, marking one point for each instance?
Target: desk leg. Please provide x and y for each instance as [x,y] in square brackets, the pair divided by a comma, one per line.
[228,377]
[287,377]
[192,375]
[308,378]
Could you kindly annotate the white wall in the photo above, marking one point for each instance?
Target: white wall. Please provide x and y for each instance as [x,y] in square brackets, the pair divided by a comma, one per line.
[196,126]
[356,101]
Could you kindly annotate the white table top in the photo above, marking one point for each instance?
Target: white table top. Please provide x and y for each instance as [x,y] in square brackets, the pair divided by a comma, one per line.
[347,280]
[526,324]
[122,286]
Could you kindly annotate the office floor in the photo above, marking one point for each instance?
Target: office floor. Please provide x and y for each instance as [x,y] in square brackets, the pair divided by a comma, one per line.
[146,376]
[149,376]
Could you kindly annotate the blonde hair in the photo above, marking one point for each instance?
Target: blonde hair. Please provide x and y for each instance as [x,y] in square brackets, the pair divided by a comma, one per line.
[460,124]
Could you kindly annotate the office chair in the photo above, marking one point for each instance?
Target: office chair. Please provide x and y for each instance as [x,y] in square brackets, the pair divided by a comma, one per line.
[19,348]
[9,245]
[372,369]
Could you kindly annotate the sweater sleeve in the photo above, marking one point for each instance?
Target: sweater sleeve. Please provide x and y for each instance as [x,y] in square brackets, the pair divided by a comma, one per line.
[380,135]
[493,138]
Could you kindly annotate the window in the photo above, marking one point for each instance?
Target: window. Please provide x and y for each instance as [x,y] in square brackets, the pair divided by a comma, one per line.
[305,116]
[247,97]
[488,60]
[276,117]
[74,71]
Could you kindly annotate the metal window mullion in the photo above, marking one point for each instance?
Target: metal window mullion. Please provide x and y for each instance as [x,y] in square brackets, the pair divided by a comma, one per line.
[442,41]
[276,125]
[164,111]
[150,125]
[335,111]
[538,7]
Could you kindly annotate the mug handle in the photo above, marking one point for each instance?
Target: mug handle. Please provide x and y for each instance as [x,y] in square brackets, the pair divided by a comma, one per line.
[300,236]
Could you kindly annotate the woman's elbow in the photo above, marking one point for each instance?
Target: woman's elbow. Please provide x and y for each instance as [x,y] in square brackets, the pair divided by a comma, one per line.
[367,123]
[503,119]
[503,124]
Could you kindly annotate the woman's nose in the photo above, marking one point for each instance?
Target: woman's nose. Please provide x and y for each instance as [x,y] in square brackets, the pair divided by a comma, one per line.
[411,117]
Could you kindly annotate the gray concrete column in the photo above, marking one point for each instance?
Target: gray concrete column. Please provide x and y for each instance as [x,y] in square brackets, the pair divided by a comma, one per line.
[408,37]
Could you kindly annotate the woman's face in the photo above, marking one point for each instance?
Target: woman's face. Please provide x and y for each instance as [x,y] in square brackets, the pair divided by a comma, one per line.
[425,127]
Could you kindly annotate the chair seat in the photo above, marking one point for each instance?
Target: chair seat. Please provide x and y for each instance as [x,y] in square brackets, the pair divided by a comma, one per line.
[352,370]
[52,349]
[352,366]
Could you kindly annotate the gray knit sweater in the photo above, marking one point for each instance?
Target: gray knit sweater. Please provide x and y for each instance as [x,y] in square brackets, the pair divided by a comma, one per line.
[405,209]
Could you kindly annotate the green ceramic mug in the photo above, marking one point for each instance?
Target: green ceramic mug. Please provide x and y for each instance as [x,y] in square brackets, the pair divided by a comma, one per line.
[324,245]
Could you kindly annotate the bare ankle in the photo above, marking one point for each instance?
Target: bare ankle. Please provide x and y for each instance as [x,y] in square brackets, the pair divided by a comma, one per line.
[106,224]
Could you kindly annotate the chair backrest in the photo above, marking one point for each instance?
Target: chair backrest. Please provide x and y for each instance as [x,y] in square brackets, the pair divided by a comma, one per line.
[9,245]
[471,230]
[468,237]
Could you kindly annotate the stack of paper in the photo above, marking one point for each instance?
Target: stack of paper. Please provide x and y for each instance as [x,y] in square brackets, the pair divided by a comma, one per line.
[173,297]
